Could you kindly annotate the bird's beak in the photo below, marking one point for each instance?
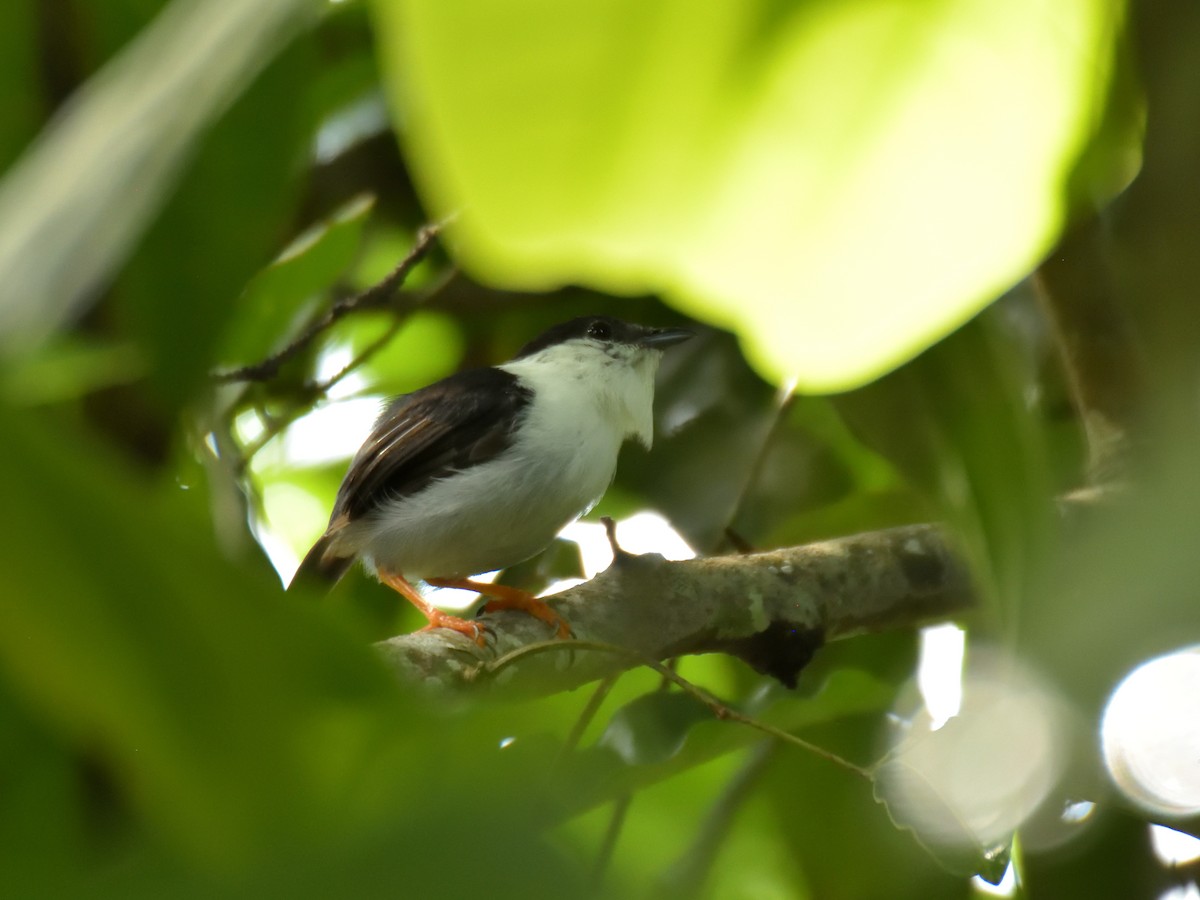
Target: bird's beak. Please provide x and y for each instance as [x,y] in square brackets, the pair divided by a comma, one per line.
[661,338]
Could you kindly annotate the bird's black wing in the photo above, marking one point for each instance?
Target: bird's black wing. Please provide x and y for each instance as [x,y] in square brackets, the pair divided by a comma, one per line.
[454,424]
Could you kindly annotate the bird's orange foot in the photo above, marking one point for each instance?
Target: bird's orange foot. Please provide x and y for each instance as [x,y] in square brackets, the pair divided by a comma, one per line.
[474,630]
[501,596]
[436,618]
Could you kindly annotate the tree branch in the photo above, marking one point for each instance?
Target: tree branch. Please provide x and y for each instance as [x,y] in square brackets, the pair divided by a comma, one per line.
[771,609]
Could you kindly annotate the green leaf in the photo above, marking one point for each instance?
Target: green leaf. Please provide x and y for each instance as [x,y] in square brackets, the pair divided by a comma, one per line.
[308,267]
[599,773]
[914,805]
[67,368]
[181,288]
[227,717]
[956,422]
[39,821]
[837,834]
[75,204]
[23,108]
[654,727]
[428,346]
[841,183]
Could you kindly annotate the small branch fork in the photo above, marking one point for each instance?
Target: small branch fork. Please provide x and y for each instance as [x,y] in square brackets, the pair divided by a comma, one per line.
[374,297]
[378,295]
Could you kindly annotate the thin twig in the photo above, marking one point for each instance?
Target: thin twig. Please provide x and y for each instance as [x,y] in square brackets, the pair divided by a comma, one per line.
[785,397]
[609,845]
[587,714]
[718,708]
[377,295]
[311,391]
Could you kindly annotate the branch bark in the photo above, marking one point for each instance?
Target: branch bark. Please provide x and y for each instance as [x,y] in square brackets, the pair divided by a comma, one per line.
[771,609]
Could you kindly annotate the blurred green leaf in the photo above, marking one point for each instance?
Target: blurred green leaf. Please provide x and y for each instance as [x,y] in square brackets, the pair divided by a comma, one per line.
[212,703]
[838,835]
[653,728]
[915,806]
[428,346]
[67,368]
[1117,860]
[756,151]
[266,313]
[73,206]
[599,773]
[230,211]
[41,823]
[956,422]
[1123,586]
[24,106]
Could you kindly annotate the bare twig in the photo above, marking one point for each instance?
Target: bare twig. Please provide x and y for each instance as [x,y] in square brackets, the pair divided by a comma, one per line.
[377,295]
[275,424]
[716,706]
[785,398]
[609,845]
[589,712]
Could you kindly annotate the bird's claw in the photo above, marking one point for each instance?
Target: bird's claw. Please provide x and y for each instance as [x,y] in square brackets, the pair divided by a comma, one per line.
[476,631]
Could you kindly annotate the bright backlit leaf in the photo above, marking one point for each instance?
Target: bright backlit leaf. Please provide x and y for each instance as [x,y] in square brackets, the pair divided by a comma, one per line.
[841,183]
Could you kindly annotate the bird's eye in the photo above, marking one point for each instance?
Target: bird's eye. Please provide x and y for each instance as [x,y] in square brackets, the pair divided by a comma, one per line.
[601,331]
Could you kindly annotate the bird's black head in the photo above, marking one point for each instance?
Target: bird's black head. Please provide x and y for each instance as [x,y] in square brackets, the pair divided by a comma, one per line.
[605,330]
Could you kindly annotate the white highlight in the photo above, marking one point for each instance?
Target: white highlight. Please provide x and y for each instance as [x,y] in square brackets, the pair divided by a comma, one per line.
[975,781]
[329,433]
[332,361]
[284,505]
[349,126]
[1077,812]
[1006,888]
[644,532]
[939,672]
[1151,734]
[1174,848]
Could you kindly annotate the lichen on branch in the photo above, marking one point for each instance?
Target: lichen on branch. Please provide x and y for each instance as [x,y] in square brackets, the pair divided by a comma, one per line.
[771,609]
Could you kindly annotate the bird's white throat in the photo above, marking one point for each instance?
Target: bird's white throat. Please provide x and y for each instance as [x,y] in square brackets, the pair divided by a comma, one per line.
[616,382]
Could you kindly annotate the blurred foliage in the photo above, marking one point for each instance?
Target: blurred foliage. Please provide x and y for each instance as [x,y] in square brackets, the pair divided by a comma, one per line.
[763,151]
[173,724]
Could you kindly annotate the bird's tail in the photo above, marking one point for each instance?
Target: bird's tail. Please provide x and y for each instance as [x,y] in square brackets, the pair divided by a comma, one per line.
[321,569]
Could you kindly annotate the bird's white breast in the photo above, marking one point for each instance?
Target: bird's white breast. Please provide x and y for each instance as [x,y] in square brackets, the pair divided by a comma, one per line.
[502,511]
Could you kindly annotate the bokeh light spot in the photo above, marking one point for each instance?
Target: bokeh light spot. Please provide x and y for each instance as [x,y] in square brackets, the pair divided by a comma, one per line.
[939,672]
[1174,848]
[1151,734]
[967,787]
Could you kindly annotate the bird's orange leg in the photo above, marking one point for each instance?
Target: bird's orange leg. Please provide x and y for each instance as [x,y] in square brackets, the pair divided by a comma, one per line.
[501,596]
[437,618]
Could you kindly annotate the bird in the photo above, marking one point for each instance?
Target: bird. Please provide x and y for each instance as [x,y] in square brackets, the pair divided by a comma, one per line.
[481,470]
